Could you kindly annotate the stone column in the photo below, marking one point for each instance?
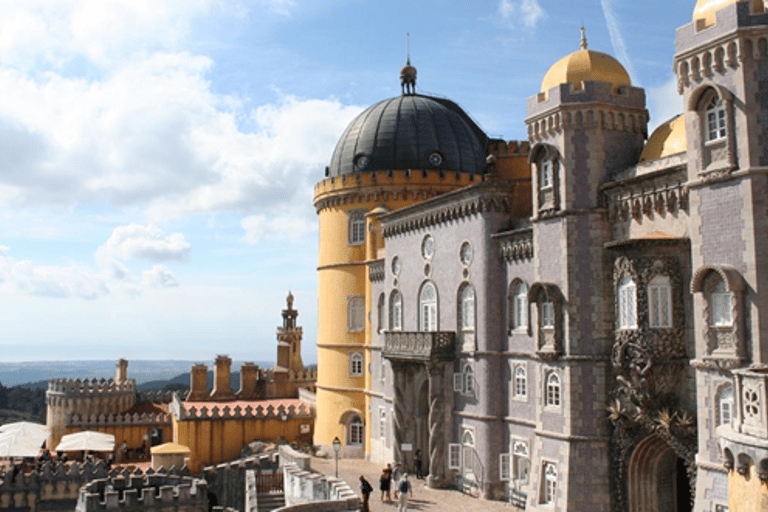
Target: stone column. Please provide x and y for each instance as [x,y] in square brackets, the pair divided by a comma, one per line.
[400,420]
[437,424]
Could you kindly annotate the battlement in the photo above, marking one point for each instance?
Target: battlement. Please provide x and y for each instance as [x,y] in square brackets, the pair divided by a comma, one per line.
[392,180]
[87,387]
[156,397]
[507,148]
[183,412]
[109,420]
[147,492]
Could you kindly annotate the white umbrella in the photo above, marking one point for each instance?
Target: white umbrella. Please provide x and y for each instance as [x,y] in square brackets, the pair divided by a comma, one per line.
[87,440]
[15,444]
[26,428]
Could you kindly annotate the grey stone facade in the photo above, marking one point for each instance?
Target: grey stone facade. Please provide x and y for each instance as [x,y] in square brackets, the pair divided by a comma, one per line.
[631,375]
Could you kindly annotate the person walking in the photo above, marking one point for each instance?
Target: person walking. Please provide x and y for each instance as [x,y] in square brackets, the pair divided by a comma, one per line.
[404,490]
[385,483]
[365,492]
[417,464]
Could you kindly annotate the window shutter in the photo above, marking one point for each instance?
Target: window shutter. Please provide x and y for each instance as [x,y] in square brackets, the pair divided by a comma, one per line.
[454,456]
[458,382]
[504,467]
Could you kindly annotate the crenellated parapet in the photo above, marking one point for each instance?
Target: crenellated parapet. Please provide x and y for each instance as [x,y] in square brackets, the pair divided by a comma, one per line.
[148,492]
[505,148]
[84,387]
[114,420]
[302,376]
[260,412]
[383,186]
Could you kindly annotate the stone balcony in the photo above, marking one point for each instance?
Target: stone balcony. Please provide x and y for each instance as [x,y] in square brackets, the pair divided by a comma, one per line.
[420,346]
[744,442]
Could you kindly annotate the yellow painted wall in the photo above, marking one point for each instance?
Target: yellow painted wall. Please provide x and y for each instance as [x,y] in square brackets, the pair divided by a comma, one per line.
[746,494]
[133,435]
[212,441]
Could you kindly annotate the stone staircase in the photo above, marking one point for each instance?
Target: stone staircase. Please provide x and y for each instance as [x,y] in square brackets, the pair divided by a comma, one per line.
[270,501]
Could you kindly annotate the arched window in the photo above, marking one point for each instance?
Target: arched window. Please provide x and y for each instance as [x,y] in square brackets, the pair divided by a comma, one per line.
[356,228]
[627,293]
[659,303]
[380,313]
[518,306]
[546,175]
[720,303]
[552,394]
[356,364]
[356,313]
[521,381]
[355,431]
[395,311]
[428,308]
[548,314]
[549,490]
[467,308]
[715,119]
[469,380]
[725,404]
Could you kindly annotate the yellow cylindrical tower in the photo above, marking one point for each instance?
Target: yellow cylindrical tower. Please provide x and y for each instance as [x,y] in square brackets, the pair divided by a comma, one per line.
[397,153]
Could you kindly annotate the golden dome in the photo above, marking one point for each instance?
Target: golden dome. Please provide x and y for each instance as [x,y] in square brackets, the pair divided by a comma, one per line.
[667,139]
[705,9]
[585,65]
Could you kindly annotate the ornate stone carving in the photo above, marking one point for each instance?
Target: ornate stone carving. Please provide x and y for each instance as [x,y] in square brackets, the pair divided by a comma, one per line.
[419,346]
[376,271]
[517,247]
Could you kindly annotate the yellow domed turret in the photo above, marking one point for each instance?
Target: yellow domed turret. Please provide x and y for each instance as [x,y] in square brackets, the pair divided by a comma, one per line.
[585,65]
[705,9]
[667,139]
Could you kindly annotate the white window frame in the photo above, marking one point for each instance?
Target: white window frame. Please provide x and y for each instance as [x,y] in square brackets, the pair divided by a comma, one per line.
[505,467]
[724,404]
[520,307]
[356,364]
[383,370]
[395,311]
[548,483]
[660,303]
[356,231]
[458,382]
[428,311]
[553,390]
[520,381]
[715,120]
[627,293]
[521,463]
[380,313]
[546,174]
[356,431]
[720,305]
[466,307]
[454,456]
[548,314]
[356,313]
[469,380]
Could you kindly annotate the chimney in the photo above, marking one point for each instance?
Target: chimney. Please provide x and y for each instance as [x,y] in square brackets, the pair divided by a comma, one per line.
[198,382]
[222,389]
[249,375]
[121,370]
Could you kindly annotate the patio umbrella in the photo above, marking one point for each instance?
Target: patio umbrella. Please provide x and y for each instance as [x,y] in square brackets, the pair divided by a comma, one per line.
[15,444]
[26,428]
[87,440]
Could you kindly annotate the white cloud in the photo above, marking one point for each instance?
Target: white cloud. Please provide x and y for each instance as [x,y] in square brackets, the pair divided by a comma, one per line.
[144,242]
[617,40]
[281,226]
[663,103]
[525,12]
[159,276]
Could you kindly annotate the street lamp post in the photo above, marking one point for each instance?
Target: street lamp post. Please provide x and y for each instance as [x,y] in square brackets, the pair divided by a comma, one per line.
[336,449]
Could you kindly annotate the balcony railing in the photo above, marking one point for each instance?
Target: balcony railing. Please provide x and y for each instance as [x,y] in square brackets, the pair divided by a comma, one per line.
[751,395]
[420,346]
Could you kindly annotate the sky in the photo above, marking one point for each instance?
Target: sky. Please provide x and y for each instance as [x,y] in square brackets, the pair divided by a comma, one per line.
[157,157]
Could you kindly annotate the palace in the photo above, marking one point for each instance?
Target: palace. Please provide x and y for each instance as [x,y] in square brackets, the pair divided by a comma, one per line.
[576,321]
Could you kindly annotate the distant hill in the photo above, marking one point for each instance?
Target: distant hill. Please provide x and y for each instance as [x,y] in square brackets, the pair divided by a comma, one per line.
[148,374]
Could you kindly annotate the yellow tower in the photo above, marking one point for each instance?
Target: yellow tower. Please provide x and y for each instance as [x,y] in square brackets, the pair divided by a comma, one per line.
[395,154]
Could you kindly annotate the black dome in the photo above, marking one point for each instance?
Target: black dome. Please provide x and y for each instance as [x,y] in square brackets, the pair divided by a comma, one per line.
[411,132]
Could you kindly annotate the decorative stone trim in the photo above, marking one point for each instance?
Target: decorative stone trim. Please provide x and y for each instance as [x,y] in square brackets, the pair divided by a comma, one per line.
[638,202]
[516,246]
[707,61]
[570,118]
[376,271]
[102,420]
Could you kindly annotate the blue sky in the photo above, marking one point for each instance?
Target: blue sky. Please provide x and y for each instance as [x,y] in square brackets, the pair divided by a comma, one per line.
[159,155]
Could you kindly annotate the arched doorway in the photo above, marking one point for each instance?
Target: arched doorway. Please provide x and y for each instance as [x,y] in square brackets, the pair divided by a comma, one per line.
[657,481]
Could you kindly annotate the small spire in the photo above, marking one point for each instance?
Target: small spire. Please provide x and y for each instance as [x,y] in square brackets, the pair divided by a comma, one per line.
[408,72]
[583,38]
[408,48]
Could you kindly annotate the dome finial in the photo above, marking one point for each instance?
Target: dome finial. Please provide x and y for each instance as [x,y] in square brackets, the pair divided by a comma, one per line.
[583,38]
[408,72]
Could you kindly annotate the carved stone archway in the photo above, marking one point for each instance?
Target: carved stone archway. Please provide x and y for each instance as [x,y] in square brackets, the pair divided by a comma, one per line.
[409,354]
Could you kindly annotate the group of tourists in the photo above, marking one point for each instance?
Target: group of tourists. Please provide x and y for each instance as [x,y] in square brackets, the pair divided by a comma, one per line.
[403,489]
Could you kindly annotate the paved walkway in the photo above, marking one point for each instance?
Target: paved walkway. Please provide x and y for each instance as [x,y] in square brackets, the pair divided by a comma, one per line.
[424,498]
